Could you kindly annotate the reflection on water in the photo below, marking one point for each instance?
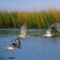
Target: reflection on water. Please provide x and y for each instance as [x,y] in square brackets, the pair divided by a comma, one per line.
[32,32]
[34,47]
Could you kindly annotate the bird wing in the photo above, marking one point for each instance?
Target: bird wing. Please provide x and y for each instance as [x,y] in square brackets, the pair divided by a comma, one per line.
[48,31]
[23,29]
[18,43]
[56,26]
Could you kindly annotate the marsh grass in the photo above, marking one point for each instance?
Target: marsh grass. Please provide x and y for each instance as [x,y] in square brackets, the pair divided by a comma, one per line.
[41,19]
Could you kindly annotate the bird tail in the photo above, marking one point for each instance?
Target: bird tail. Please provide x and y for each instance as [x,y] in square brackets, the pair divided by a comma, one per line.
[6,48]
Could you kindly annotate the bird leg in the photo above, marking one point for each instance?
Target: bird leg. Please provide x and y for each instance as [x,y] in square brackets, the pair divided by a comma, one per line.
[12,53]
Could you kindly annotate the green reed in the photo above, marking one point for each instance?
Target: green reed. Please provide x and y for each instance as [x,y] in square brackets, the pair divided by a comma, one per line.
[41,19]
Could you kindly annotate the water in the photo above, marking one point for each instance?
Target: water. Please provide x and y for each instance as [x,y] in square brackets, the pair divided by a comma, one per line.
[34,47]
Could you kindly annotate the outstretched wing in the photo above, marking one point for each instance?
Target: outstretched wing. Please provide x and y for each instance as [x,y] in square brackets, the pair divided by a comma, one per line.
[23,29]
[56,26]
[48,31]
[12,45]
[18,43]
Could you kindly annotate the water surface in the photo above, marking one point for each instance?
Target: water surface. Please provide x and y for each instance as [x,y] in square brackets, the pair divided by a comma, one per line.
[35,47]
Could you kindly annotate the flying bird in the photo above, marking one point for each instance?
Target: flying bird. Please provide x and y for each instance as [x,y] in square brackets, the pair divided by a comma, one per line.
[48,32]
[23,30]
[17,40]
[13,46]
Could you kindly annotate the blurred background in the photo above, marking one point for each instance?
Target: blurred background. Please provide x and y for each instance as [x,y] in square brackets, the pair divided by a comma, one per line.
[35,13]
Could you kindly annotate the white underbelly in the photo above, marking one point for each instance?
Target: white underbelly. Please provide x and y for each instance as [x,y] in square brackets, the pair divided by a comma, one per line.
[10,48]
[47,35]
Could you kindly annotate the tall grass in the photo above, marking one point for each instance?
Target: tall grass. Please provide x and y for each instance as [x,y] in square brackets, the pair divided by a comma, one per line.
[41,19]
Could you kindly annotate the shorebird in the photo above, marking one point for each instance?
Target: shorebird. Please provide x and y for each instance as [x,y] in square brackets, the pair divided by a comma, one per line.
[48,32]
[13,46]
[23,31]
[17,40]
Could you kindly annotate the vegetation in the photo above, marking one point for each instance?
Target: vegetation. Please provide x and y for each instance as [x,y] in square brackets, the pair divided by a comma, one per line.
[41,19]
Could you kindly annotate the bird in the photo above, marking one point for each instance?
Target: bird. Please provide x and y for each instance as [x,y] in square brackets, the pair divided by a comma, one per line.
[23,30]
[12,46]
[48,32]
[17,40]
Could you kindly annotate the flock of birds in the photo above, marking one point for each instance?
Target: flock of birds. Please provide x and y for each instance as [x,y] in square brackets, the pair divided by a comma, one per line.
[23,35]
[17,40]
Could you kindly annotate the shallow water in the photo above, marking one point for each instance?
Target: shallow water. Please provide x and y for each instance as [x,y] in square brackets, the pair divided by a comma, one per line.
[35,47]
